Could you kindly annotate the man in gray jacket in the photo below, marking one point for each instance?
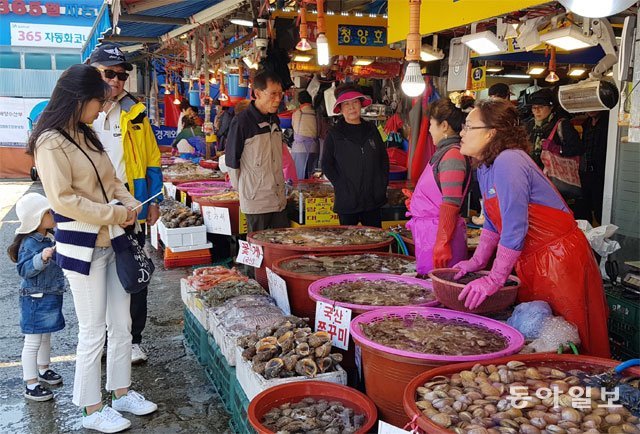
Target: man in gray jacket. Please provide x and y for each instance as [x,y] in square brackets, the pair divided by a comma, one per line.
[254,157]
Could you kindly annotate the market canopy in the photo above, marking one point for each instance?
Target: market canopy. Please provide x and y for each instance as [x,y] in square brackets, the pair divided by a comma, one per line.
[438,15]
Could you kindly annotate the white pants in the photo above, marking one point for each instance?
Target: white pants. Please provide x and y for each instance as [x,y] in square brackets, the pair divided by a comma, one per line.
[36,351]
[100,300]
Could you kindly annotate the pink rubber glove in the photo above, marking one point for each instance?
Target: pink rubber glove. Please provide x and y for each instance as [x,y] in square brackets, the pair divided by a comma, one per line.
[477,291]
[487,245]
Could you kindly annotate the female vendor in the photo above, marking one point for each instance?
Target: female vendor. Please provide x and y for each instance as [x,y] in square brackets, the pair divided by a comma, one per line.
[439,233]
[532,228]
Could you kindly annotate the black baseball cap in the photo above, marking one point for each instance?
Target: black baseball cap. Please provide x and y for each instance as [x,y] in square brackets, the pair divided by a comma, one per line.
[542,97]
[109,55]
[501,90]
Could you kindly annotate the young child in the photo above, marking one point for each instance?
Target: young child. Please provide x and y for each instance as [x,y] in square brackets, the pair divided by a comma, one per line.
[40,292]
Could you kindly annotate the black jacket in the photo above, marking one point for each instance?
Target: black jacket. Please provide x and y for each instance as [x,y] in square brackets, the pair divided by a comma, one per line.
[358,168]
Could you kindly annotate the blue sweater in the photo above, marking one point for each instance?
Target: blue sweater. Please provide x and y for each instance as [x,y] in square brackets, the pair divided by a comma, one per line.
[38,276]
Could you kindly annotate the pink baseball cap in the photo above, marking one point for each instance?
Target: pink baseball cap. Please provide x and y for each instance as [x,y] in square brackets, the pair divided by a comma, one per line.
[348,96]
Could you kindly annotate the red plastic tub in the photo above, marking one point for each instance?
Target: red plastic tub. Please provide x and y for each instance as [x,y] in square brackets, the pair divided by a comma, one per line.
[295,392]
[387,370]
[593,365]
[298,283]
[273,251]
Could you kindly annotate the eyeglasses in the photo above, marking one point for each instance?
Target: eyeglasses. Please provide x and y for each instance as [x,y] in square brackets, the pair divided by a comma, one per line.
[467,127]
[110,74]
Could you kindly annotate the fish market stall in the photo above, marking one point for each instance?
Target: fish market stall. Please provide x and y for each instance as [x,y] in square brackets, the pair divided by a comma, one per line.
[300,271]
[280,243]
[553,393]
[396,344]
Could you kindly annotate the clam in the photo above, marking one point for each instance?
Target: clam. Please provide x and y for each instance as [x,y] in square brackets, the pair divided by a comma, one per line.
[318,338]
[303,349]
[515,365]
[258,367]
[265,352]
[442,419]
[306,367]
[529,429]
[325,364]
[273,368]
[290,361]
[570,415]
[323,350]
[336,357]
[269,340]
[613,419]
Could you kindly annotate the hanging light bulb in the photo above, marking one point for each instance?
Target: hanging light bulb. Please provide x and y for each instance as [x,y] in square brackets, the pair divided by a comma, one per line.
[223,92]
[322,43]
[413,83]
[552,77]
[166,89]
[303,45]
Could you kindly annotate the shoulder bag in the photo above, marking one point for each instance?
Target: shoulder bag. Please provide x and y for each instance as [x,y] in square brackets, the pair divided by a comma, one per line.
[133,266]
[562,171]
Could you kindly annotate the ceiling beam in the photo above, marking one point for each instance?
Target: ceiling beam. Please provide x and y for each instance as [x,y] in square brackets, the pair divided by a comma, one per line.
[216,11]
[149,19]
[134,39]
[227,48]
[145,5]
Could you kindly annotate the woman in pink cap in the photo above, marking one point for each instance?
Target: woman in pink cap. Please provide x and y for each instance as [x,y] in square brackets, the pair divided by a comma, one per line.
[355,161]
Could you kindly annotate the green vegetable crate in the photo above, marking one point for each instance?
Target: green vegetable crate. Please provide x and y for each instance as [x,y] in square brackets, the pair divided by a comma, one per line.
[624,324]
[196,336]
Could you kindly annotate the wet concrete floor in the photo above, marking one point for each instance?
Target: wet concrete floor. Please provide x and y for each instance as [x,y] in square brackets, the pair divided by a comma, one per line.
[172,377]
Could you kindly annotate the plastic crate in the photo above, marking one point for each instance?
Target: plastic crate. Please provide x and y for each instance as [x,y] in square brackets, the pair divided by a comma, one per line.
[220,373]
[624,324]
[239,422]
[196,336]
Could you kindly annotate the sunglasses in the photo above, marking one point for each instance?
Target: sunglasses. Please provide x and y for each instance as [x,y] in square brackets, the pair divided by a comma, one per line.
[109,73]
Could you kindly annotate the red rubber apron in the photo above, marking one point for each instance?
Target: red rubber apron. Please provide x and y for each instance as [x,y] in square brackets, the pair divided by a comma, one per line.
[558,266]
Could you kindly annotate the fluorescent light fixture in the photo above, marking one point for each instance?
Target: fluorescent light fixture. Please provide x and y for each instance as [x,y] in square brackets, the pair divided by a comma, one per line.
[413,83]
[484,42]
[494,68]
[429,53]
[568,38]
[536,70]
[577,72]
[363,62]
[241,22]
[301,58]
[514,76]
[322,45]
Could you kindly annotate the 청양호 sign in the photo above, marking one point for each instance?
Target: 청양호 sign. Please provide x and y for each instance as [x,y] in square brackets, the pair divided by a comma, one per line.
[48,35]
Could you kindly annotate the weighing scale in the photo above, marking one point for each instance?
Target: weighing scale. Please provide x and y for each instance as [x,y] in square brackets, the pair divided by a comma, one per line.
[631,280]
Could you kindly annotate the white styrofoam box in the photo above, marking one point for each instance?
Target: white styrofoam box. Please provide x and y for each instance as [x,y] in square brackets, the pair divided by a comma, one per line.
[182,237]
[191,248]
[199,310]
[228,341]
[186,293]
[253,383]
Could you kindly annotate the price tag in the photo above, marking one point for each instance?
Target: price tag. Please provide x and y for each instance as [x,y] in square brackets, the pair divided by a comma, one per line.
[249,254]
[195,207]
[170,189]
[334,320]
[319,212]
[242,226]
[183,197]
[385,428]
[217,220]
[154,236]
[278,290]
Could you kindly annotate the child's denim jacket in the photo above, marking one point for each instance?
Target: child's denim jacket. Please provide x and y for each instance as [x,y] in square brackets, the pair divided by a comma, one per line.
[38,276]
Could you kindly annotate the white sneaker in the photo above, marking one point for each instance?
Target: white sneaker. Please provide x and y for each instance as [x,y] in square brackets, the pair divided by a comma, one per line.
[106,420]
[134,403]
[137,354]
